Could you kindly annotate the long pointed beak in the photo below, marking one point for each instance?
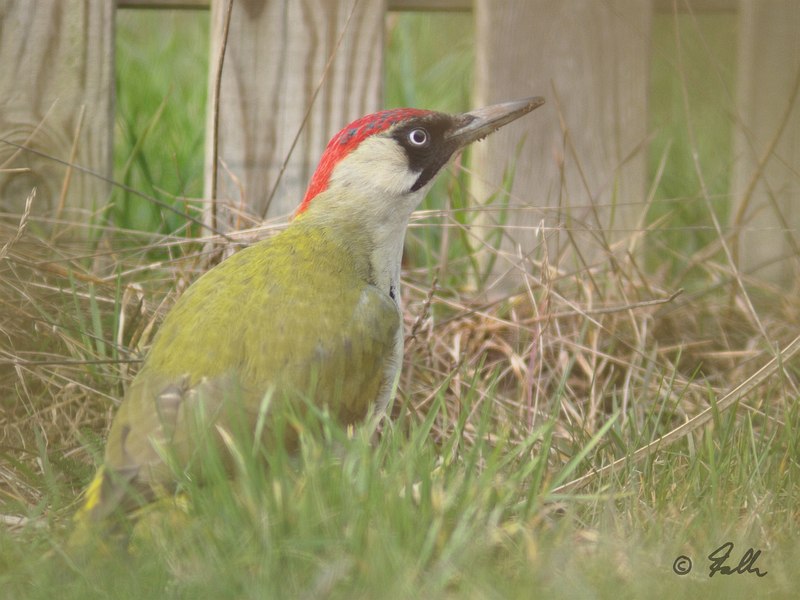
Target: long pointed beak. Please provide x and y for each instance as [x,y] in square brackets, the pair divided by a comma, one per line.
[477,124]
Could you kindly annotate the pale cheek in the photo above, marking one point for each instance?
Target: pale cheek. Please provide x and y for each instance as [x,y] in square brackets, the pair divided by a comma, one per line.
[378,167]
[393,182]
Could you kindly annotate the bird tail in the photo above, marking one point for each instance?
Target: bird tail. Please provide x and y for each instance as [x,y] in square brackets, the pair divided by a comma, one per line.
[108,520]
[87,529]
[100,517]
[92,496]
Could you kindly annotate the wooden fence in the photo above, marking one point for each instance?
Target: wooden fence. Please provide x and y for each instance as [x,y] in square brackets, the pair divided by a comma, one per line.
[321,62]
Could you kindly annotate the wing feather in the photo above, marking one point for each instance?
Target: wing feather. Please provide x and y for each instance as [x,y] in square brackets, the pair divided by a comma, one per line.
[248,327]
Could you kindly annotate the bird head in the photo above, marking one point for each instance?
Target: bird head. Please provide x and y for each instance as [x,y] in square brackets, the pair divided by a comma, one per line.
[376,171]
[385,162]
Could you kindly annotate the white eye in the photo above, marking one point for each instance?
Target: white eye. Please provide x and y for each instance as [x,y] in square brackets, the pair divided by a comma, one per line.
[418,137]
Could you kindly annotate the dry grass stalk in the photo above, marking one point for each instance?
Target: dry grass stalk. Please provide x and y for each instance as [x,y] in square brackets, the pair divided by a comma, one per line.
[580,345]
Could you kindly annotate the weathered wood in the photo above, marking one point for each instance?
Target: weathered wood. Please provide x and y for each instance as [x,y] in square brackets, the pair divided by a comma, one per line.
[766,180]
[456,5]
[276,74]
[582,166]
[424,5]
[696,6]
[170,4]
[56,97]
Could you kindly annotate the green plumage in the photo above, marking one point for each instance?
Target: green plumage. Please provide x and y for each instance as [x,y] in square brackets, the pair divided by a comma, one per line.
[295,315]
[310,315]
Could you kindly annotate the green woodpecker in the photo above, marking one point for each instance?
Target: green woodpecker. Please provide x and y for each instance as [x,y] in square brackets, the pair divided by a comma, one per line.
[311,314]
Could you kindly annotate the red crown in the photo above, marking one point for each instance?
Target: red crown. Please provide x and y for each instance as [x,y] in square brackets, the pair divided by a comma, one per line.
[346,141]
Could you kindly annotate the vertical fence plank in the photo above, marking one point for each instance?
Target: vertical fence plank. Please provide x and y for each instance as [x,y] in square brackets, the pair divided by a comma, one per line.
[766,179]
[275,60]
[584,149]
[56,96]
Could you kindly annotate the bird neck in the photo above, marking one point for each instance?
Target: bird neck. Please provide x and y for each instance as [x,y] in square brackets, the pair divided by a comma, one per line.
[371,229]
[386,256]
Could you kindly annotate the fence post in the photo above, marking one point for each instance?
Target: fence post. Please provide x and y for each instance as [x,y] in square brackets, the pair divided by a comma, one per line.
[766,179]
[56,97]
[285,61]
[584,150]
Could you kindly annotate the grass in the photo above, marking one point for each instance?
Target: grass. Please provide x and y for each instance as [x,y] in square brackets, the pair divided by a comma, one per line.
[706,41]
[500,404]
[159,135]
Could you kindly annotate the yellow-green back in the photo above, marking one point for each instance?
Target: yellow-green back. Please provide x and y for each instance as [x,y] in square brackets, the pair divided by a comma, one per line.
[295,316]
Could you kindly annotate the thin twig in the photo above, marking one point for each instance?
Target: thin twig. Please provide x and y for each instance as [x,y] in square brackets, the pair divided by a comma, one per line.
[62,200]
[214,133]
[423,314]
[758,173]
[122,186]
[23,146]
[23,223]
[704,188]
[67,362]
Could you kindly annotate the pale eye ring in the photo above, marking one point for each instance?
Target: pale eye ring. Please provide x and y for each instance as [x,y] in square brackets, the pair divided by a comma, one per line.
[418,137]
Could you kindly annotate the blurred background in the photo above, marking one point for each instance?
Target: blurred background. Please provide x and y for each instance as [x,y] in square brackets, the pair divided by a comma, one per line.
[582,283]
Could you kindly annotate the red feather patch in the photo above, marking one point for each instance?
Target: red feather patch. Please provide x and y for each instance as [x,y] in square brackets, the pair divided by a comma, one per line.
[346,141]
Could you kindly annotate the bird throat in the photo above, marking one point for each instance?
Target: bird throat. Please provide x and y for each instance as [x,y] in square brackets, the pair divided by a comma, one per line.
[385,260]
